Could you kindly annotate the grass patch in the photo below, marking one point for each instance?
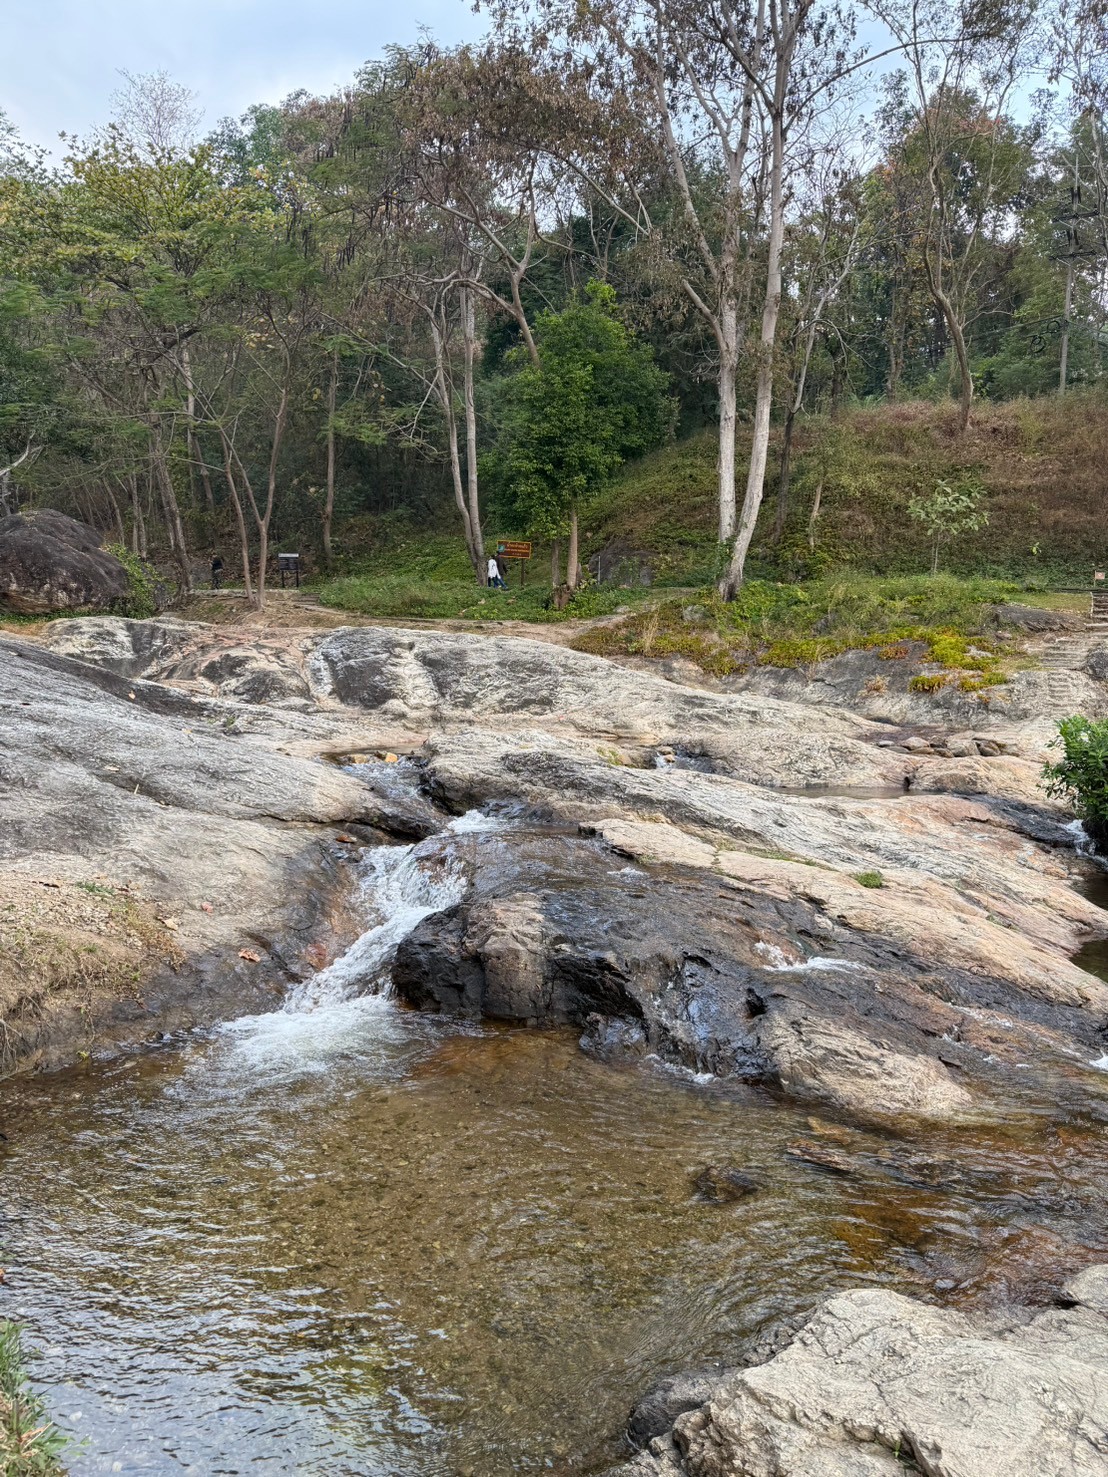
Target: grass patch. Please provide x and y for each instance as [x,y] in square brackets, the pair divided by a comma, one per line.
[943,621]
[30,1444]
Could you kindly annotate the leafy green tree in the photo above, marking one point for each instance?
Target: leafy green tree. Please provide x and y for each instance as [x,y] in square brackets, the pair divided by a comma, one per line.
[949,511]
[594,399]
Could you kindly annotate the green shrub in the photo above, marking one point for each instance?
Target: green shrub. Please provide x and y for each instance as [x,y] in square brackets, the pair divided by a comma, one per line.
[30,1444]
[933,683]
[1080,776]
[141,602]
[869,879]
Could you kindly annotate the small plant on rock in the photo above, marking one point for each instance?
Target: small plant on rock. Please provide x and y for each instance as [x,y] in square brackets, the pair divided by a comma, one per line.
[869,879]
[1080,776]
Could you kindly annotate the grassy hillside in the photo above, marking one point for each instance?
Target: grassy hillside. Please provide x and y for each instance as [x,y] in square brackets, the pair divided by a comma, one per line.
[1043,465]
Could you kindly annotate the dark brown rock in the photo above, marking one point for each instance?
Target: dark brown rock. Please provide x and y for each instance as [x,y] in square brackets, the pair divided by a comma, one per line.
[50,562]
[722,1185]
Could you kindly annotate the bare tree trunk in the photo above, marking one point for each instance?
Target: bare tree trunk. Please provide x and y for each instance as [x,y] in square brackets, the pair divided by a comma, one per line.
[1063,371]
[474,547]
[329,502]
[174,527]
[813,516]
[728,362]
[197,465]
[469,328]
[785,479]
[759,450]
[571,561]
[271,485]
[896,358]
[120,531]
[965,405]
[138,523]
[556,563]
[236,503]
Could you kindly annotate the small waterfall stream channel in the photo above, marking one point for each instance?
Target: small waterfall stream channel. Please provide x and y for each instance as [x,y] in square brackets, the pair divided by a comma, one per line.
[348,1238]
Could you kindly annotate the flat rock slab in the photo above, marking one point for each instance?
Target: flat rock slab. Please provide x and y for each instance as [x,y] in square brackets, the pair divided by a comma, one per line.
[875,1381]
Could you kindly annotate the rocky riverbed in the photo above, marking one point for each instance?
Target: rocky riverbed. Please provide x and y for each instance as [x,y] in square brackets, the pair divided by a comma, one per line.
[872,916]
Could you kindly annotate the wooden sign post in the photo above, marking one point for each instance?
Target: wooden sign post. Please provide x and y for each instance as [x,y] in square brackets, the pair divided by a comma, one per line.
[515,549]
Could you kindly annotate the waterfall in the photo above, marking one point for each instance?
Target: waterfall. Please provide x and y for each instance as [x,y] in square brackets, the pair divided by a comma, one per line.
[401,885]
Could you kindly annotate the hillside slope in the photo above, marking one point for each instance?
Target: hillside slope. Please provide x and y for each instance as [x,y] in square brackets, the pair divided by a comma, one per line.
[1043,465]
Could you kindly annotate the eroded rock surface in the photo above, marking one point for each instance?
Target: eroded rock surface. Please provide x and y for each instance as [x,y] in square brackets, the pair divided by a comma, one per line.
[875,1382]
[139,787]
[717,919]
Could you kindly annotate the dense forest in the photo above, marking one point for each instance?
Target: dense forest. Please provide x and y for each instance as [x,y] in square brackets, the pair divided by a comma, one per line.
[489,276]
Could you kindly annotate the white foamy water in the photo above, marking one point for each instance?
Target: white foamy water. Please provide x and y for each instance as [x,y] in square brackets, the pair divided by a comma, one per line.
[345,1012]
[1081,842]
[817,962]
[777,960]
[402,885]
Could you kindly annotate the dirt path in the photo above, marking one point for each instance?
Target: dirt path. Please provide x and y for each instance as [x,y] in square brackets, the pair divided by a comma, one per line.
[300,610]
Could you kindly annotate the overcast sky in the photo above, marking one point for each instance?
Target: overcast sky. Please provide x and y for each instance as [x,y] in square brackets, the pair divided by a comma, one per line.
[62,57]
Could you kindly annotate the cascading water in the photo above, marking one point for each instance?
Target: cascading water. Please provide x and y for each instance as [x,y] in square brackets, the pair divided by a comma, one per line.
[345,1237]
[402,885]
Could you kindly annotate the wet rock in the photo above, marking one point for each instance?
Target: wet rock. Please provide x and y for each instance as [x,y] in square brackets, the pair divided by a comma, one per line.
[875,1378]
[656,1412]
[822,1058]
[723,1185]
[612,1039]
[1088,1289]
[823,1156]
[1096,664]
[50,562]
[99,775]
[678,954]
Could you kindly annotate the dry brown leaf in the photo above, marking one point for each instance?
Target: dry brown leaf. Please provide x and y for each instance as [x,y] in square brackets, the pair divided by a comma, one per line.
[250,956]
[173,923]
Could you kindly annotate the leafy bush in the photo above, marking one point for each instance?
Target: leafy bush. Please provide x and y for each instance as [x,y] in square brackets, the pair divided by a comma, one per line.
[869,879]
[30,1444]
[1080,776]
[141,602]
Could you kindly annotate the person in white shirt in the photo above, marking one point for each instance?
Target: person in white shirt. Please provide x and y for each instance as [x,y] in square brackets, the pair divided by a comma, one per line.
[494,579]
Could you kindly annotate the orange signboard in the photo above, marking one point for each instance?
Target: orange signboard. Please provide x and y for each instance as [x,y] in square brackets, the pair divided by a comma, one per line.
[513,549]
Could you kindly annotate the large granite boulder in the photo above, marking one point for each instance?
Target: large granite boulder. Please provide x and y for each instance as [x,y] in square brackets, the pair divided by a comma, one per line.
[50,562]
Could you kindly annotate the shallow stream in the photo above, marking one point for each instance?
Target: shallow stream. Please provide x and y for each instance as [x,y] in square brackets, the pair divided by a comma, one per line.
[344,1238]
